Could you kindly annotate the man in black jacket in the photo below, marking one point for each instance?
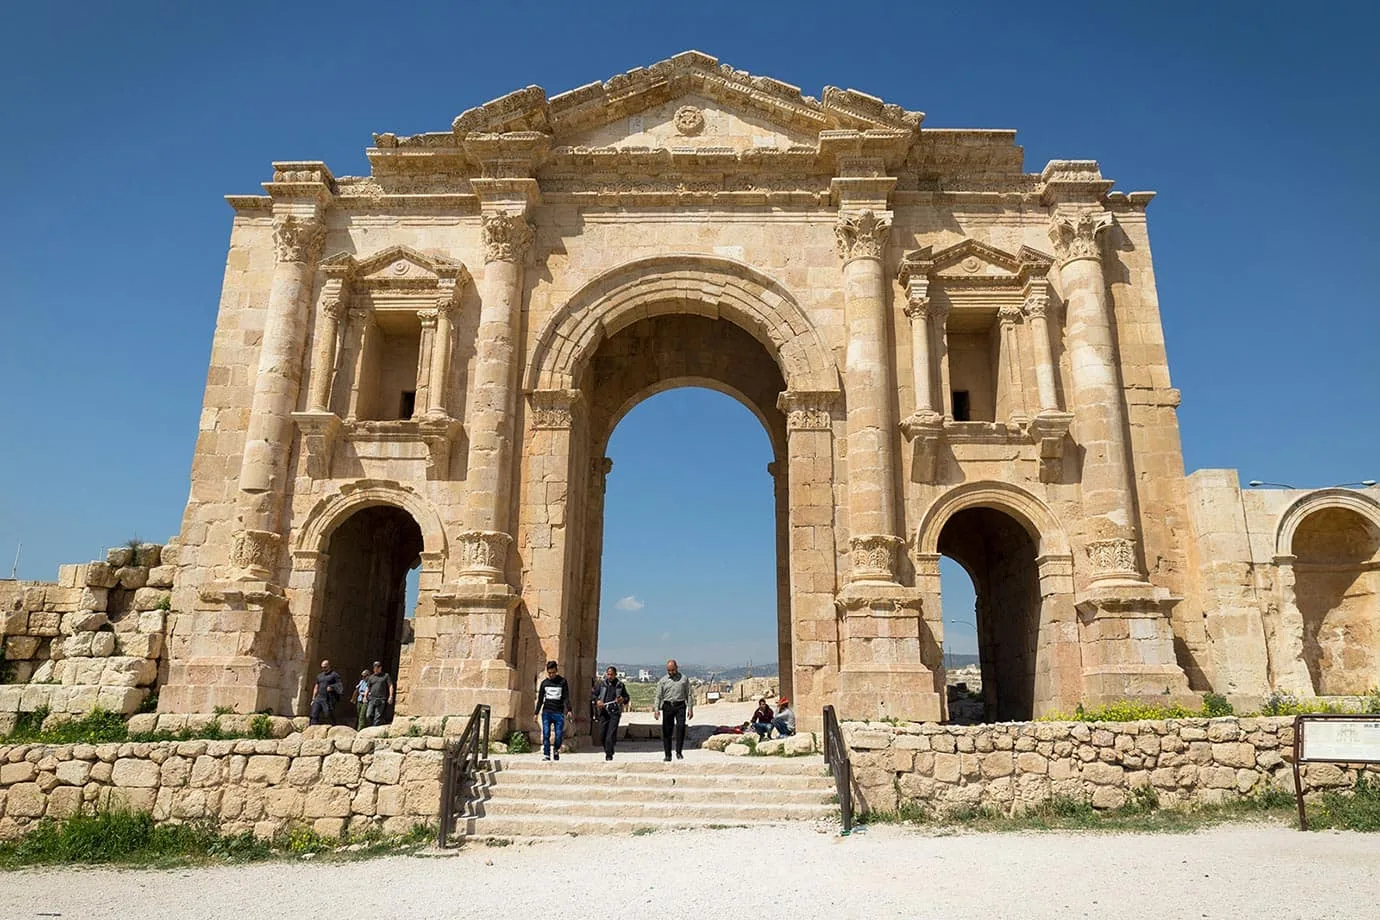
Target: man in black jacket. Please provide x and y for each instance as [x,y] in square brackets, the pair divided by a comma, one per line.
[553,706]
[609,700]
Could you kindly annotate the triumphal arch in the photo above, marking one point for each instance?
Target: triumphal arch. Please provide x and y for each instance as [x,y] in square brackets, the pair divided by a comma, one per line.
[951,355]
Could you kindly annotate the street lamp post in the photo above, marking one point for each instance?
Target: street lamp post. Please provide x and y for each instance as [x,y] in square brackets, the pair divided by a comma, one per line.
[1364,484]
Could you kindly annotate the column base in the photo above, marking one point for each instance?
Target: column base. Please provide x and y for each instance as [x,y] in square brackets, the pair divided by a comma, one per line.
[896,691]
[884,647]
[461,657]
[1128,646]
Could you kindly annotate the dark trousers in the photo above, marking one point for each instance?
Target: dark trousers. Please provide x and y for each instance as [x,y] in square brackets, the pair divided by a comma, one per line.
[672,718]
[376,712]
[322,712]
[608,728]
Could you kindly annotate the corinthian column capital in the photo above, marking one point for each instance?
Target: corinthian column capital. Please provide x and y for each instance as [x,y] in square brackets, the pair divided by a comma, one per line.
[298,239]
[862,235]
[507,237]
[1037,306]
[1074,233]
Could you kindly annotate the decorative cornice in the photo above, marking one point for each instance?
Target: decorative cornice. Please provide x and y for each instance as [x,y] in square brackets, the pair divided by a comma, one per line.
[553,409]
[507,237]
[298,239]
[1114,556]
[862,235]
[1074,233]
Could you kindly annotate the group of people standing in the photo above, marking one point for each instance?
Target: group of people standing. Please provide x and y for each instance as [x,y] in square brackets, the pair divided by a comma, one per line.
[674,700]
[373,695]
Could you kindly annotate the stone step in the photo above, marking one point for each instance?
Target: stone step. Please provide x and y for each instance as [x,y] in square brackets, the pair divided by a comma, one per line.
[812,765]
[531,828]
[504,793]
[708,783]
[696,813]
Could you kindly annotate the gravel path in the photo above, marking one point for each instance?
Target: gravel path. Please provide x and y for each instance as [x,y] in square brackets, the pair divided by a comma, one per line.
[1235,872]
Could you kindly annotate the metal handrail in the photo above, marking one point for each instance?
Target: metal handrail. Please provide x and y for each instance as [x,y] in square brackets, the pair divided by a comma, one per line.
[836,755]
[459,766]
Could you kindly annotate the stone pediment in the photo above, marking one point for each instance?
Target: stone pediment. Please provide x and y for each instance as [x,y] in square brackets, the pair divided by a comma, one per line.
[973,262]
[395,266]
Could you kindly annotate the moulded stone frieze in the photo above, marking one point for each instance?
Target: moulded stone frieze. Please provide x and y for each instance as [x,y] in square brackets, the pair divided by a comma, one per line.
[507,237]
[484,552]
[554,408]
[873,557]
[298,239]
[1074,233]
[862,235]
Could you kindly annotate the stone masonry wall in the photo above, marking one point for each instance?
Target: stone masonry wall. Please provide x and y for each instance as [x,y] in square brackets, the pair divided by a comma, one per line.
[93,638]
[1017,765]
[333,783]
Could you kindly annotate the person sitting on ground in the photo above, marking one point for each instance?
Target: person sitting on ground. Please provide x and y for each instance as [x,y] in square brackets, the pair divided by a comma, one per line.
[784,723]
[761,719]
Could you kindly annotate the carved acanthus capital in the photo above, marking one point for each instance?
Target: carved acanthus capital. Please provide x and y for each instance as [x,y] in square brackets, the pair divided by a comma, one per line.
[298,239]
[808,410]
[873,557]
[1010,314]
[862,235]
[484,553]
[427,318]
[255,552]
[507,237]
[334,307]
[446,304]
[1113,556]
[917,308]
[554,408]
[1037,306]
[1074,233]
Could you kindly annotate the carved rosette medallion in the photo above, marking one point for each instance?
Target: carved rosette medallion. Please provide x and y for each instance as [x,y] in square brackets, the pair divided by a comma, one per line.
[689,119]
[1114,556]
[484,552]
[553,409]
[1074,234]
[808,410]
[873,557]
[255,551]
[861,235]
[507,237]
[298,239]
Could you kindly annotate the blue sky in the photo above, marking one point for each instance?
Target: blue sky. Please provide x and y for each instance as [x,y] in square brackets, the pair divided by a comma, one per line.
[1256,122]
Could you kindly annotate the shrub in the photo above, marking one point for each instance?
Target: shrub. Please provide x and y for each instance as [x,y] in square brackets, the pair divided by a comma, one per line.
[1357,811]
[1120,711]
[121,836]
[260,727]
[1215,705]
[518,743]
[1372,701]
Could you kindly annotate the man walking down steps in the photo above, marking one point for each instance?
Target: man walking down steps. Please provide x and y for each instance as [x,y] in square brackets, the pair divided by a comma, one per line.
[675,700]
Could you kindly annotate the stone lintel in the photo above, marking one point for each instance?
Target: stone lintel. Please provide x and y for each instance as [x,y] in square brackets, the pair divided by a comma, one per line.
[925,430]
[438,433]
[879,599]
[466,597]
[1050,429]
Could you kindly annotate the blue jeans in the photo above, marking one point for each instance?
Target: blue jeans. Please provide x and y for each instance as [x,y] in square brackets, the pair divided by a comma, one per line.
[782,729]
[763,729]
[548,720]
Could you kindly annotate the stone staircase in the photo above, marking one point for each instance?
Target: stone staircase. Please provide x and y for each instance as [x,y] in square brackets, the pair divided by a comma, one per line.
[524,797]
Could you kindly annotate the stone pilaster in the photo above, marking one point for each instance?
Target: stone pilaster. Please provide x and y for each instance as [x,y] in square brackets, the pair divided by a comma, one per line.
[323,355]
[1009,350]
[298,236]
[426,354]
[440,359]
[870,384]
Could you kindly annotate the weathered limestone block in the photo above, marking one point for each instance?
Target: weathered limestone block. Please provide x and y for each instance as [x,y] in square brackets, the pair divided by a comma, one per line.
[119,556]
[128,671]
[772,747]
[45,623]
[25,800]
[134,773]
[21,772]
[327,802]
[1233,754]
[162,576]
[18,648]
[132,577]
[140,645]
[386,768]
[147,555]
[73,772]
[339,769]
[146,599]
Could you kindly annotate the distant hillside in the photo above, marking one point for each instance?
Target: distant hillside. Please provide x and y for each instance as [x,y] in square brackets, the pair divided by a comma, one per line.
[701,671]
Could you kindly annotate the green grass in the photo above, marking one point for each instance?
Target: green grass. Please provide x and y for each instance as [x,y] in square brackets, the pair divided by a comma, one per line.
[641,694]
[101,727]
[1357,810]
[130,838]
[1214,705]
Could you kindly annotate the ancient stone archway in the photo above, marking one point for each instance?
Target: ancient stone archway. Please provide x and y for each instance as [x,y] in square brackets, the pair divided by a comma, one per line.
[1016,554]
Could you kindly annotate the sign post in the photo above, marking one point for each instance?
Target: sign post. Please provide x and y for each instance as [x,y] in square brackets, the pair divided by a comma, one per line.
[1332,738]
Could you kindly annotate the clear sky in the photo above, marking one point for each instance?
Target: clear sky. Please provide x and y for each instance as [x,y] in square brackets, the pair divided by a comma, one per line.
[1256,122]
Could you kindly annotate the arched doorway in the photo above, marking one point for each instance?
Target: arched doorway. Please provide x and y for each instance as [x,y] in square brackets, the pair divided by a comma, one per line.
[1000,557]
[646,358]
[362,613]
[1337,587]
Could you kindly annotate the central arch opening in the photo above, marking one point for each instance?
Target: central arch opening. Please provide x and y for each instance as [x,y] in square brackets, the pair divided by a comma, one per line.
[364,611]
[1337,587]
[999,556]
[684,551]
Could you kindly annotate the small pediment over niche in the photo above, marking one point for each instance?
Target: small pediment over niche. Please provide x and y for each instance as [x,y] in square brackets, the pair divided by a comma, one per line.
[396,265]
[970,260]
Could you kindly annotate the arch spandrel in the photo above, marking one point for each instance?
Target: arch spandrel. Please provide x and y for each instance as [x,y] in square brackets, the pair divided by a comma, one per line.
[333,509]
[1347,499]
[711,286]
[1032,513]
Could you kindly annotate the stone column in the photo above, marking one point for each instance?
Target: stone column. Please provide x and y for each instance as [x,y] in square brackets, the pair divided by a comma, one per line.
[1099,407]
[1036,309]
[440,359]
[487,535]
[1007,317]
[263,469]
[939,318]
[922,363]
[421,405]
[323,357]
[870,388]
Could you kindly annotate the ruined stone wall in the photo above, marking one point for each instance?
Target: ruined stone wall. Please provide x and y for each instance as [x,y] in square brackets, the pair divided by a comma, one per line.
[332,784]
[1017,765]
[93,638]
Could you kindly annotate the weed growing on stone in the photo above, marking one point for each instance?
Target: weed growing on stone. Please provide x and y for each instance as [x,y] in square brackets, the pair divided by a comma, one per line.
[643,831]
[260,727]
[128,838]
[518,743]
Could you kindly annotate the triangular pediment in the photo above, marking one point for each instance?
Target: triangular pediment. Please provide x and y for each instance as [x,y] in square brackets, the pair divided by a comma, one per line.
[394,265]
[972,259]
[734,104]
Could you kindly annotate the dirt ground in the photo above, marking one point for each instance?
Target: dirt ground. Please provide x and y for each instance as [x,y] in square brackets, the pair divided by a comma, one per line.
[800,871]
